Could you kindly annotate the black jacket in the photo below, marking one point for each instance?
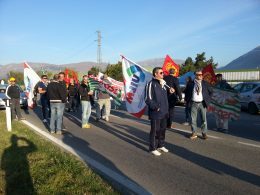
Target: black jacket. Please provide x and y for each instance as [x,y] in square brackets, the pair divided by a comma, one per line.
[83,91]
[13,91]
[156,99]
[72,90]
[56,92]
[206,93]
[173,82]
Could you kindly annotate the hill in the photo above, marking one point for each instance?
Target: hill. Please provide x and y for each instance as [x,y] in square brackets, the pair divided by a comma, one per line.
[250,60]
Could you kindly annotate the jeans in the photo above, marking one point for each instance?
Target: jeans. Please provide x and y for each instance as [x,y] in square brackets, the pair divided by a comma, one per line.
[157,133]
[195,109]
[100,104]
[15,108]
[72,102]
[45,105]
[86,111]
[57,110]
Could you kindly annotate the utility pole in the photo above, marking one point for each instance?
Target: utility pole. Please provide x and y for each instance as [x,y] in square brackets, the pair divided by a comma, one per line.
[99,58]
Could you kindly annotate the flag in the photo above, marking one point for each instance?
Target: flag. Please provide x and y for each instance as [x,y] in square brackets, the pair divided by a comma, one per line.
[209,74]
[135,80]
[31,78]
[168,64]
[225,103]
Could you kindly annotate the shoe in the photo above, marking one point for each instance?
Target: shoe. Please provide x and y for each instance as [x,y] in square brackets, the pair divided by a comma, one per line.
[52,132]
[224,130]
[21,119]
[58,132]
[163,149]
[103,117]
[86,126]
[186,123]
[44,120]
[156,153]
[193,136]
[204,136]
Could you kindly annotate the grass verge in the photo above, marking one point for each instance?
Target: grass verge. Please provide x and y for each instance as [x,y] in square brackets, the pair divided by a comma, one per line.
[32,165]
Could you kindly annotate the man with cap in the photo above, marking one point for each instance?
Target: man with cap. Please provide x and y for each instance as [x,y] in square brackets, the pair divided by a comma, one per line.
[13,93]
[172,82]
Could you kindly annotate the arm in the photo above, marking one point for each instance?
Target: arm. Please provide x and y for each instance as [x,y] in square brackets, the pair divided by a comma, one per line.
[150,99]
[178,89]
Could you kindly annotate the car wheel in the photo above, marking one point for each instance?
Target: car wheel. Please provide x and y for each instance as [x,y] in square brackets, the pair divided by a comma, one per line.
[252,109]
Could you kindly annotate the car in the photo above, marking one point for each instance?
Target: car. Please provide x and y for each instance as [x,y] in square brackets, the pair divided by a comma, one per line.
[3,98]
[249,94]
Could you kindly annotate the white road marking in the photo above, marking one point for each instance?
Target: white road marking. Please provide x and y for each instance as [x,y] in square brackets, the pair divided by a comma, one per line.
[248,144]
[122,180]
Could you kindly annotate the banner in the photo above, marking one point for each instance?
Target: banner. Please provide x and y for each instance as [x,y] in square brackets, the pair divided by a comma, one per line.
[209,74]
[225,103]
[135,80]
[116,93]
[168,64]
[31,78]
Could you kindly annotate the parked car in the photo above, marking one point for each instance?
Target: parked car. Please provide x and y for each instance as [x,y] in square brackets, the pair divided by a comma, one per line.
[249,94]
[23,97]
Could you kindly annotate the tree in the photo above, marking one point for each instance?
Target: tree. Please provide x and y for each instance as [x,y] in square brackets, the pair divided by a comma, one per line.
[17,75]
[94,70]
[115,71]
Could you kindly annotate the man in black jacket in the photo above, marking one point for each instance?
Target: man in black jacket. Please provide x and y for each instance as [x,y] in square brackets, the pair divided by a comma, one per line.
[157,102]
[198,96]
[56,93]
[13,93]
[172,82]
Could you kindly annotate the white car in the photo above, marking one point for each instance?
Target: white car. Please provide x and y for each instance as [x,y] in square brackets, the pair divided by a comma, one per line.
[249,94]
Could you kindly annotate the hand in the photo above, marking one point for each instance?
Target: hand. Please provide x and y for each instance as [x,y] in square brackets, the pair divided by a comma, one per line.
[90,93]
[162,82]
[172,90]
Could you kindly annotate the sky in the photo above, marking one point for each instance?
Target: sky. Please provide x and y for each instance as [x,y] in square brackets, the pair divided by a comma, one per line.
[64,31]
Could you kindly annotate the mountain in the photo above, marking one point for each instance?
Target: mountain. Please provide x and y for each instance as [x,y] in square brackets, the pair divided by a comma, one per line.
[80,67]
[250,60]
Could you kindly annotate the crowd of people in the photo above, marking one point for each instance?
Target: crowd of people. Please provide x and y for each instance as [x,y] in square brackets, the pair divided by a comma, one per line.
[162,94]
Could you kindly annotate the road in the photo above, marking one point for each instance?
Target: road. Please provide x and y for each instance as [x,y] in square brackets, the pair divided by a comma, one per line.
[223,164]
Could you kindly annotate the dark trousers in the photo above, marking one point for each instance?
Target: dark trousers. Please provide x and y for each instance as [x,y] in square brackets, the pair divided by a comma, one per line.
[15,108]
[45,107]
[171,116]
[157,133]
[72,102]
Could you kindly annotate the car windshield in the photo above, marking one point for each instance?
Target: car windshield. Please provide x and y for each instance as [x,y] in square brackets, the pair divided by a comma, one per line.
[248,87]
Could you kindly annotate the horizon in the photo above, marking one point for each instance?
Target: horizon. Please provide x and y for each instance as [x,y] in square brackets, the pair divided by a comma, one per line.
[63,32]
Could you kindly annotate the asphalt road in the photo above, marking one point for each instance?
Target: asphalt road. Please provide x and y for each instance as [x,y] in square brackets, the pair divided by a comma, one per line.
[223,164]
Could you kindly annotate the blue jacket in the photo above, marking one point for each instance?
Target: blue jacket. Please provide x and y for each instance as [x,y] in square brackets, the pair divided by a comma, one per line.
[206,93]
[156,100]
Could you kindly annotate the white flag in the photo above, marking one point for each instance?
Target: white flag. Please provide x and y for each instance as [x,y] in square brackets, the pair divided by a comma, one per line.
[31,78]
[135,80]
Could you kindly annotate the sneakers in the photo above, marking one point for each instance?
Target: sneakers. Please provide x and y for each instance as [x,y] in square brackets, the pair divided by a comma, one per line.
[193,136]
[21,119]
[86,126]
[58,132]
[155,153]
[163,149]
[52,132]
[204,136]
[44,120]
[186,123]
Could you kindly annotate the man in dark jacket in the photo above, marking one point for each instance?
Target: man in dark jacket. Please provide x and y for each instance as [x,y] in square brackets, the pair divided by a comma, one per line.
[157,102]
[198,97]
[85,93]
[72,95]
[13,93]
[172,82]
[56,93]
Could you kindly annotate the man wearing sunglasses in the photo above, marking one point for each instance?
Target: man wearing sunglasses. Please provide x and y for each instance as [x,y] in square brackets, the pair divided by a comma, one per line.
[157,102]
[198,97]
[42,89]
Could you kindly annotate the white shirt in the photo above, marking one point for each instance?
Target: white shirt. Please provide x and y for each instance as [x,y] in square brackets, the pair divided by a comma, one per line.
[196,97]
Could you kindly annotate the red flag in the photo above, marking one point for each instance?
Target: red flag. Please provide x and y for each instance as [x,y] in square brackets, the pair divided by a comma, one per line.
[168,64]
[209,74]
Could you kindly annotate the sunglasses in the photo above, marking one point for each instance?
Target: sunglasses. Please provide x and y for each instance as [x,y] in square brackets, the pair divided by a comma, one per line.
[45,78]
[160,73]
[198,74]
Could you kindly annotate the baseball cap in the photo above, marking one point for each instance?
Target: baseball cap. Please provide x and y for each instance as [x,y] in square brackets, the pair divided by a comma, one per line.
[12,79]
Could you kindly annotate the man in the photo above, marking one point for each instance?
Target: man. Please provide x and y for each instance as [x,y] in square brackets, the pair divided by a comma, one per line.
[64,87]
[103,100]
[85,94]
[222,123]
[157,102]
[57,96]
[42,89]
[72,95]
[198,97]
[13,93]
[172,82]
